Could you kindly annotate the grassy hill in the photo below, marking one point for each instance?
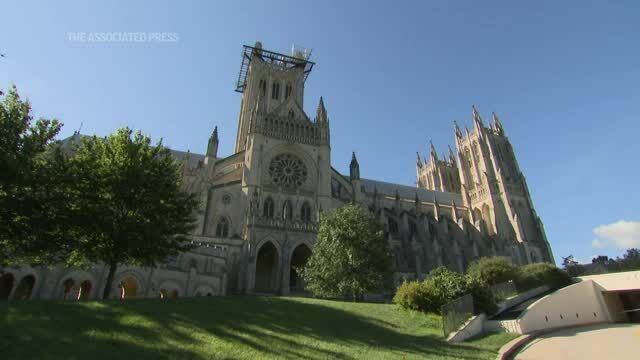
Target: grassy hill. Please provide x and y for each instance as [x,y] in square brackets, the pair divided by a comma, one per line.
[233,327]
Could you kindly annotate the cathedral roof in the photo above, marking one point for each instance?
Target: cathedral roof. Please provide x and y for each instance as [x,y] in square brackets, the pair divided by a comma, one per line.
[409,192]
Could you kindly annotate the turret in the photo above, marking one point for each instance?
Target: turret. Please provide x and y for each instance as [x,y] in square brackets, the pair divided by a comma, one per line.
[452,157]
[354,168]
[434,153]
[212,146]
[477,121]
[321,112]
[497,125]
[456,130]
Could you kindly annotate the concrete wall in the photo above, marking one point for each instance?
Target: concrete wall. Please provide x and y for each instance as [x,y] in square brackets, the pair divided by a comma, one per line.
[470,329]
[578,304]
[629,280]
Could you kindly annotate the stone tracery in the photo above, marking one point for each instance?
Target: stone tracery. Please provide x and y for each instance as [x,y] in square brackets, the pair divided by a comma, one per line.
[288,171]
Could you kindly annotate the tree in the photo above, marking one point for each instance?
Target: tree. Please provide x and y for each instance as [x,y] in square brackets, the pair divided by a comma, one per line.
[130,208]
[571,266]
[34,210]
[350,256]
[630,260]
[493,270]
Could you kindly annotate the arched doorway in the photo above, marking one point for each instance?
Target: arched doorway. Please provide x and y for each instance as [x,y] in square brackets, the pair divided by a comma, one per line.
[299,258]
[6,285]
[85,290]
[67,287]
[267,268]
[24,289]
[128,288]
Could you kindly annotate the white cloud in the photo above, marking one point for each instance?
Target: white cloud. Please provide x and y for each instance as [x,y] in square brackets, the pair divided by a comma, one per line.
[621,234]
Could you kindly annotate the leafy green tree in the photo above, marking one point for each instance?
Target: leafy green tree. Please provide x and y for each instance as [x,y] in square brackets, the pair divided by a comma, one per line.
[350,256]
[534,275]
[130,208]
[571,266]
[630,260]
[441,287]
[493,270]
[34,196]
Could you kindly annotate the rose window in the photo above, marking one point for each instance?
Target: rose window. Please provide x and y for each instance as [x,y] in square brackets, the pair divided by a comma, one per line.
[288,171]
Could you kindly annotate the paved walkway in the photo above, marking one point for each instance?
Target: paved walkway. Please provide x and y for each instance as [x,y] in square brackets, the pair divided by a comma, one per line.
[603,341]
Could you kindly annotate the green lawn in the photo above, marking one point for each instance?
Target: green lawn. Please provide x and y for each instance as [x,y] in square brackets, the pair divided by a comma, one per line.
[233,327]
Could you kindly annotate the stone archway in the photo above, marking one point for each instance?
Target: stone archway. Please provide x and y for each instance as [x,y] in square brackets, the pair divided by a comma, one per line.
[267,262]
[85,290]
[299,258]
[128,288]
[24,289]
[67,288]
[6,285]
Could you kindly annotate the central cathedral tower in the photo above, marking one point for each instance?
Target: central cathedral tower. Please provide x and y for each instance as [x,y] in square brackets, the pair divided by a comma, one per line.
[286,175]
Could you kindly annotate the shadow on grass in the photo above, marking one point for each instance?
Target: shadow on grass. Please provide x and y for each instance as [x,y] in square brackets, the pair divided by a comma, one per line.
[203,328]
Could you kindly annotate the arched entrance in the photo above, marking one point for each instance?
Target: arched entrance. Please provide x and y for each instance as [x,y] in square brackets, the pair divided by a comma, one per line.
[6,284]
[23,292]
[267,268]
[67,287]
[299,258]
[128,288]
[85,290]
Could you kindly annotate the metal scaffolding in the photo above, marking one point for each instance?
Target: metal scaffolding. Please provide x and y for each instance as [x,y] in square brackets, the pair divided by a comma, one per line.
[300,59]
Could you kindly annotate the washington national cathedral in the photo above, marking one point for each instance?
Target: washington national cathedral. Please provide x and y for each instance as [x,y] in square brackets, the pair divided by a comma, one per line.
[261,204]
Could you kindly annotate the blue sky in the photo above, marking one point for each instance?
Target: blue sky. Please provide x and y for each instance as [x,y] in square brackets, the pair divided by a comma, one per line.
[563,76]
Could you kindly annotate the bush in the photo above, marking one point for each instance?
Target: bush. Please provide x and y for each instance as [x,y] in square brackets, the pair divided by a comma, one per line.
[450,284]
[493,270]
[534,275]
[483,299]
[442,286]
[409,296]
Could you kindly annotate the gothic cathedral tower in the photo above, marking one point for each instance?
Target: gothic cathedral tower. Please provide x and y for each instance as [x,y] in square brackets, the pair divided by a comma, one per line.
[496,190]
[286,173]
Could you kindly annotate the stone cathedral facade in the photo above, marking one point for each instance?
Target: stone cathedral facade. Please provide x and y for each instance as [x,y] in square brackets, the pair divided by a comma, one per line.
[261,204]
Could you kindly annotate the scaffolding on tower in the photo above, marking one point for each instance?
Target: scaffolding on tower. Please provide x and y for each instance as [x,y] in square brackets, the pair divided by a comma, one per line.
[299,58]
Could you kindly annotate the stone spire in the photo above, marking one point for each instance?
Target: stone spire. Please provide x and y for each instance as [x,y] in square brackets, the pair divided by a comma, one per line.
[456,130]
[321,112]
[418,160]
[497,125]
[477,122]
[452,157]
[354,167]
[212,146]
[434,153]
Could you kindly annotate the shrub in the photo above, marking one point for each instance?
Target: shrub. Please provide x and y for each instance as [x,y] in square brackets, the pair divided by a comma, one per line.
[409,296]
[442,286]
[534,275]
[483,299]
[493,270]
[451,284]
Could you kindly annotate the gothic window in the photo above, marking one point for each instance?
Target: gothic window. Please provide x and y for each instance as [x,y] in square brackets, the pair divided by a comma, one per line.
[275,91]
[268,208]
[305,212]
[413,229]
[393,225]
[287,210]
[262,85]
[222,229]
[288,171]
[290,114]
[287,91]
